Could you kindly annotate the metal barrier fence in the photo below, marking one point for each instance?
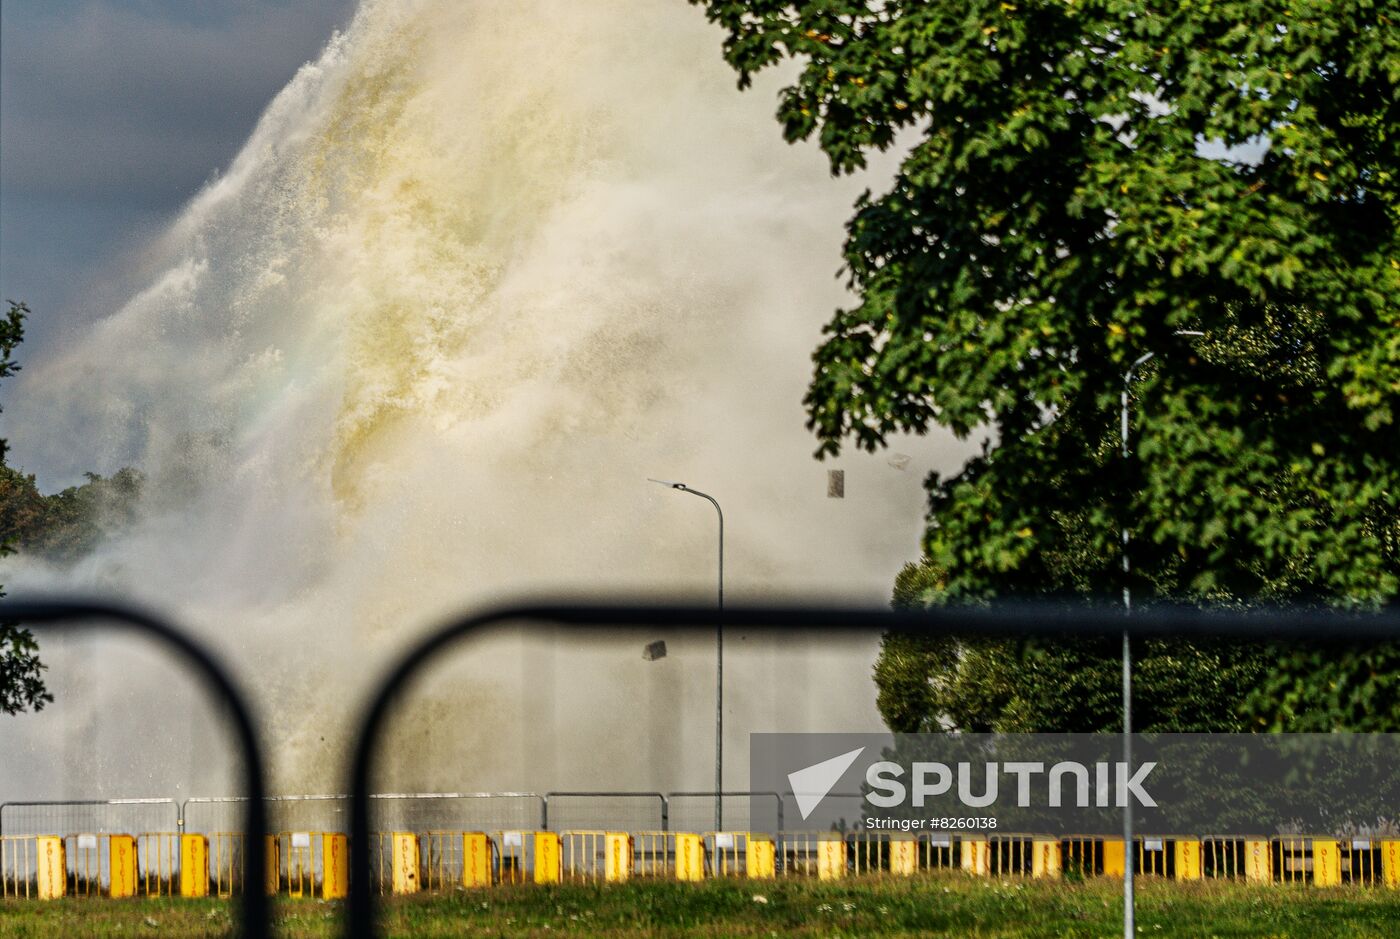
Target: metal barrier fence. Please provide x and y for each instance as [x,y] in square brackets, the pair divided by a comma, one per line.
[451,859]
[616,811]
[1362,862]
[727,854]
[938,852]
[695,811]
[654,853]
[316,864]
[393,811]
[480,811]
[1321,861]
[89,864]
[226,862]
[19,866]
[158,860]
[1009,855]
[1083,856]
[208,816]
[584,856]
[820,854]
[98,816]
[528,857]
[850,805]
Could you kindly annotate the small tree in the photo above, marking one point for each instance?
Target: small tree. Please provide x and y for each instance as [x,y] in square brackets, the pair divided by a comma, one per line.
[21,672]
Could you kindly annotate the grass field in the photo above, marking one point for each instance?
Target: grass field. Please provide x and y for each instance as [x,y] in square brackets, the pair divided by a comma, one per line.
[948,905]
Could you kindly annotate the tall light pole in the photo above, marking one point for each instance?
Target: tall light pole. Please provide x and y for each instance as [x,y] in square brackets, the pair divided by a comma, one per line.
[719,653]
[1129,913]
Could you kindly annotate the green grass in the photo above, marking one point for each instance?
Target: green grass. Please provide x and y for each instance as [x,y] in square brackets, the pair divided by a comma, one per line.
[943,905]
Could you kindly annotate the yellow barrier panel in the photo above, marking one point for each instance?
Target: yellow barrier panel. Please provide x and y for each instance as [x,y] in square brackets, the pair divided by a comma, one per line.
[1187,854]
[121,863]
[273,873]
[831,859]
[157,857]
[225,857]
[618,865]
[1293,863]
[690,856]
[510,847]
[301,865]
[1045,858]
[868,852]
[728,849]
[1081,855]
[584,855]
[1150,857]
[1361,860]
[476,859]
[759,858]
[194,866]
[652,853]
[82,853]
[1258,866]
[904,856]
[939,852]
[53,869]
[549,860]
[335,867]
[1390,863]
[976,856]
[441,860]
[1327,863]
[405,861]
[1009,854]
[1115,859]
[17,859]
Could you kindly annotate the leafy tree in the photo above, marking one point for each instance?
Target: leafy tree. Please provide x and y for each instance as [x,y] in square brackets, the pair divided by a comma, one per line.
[67,525]
[1085,179]
[1010,686]
[21,672]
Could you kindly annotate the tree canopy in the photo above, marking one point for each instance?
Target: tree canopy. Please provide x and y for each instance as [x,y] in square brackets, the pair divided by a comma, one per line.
[21,672]
[1083,180]
[67,525]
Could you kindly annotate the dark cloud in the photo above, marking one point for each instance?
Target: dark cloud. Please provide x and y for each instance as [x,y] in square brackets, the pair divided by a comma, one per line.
[114,112]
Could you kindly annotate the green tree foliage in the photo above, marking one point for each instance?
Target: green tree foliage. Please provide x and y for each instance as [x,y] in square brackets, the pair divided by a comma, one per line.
[21,672]
[1008,686]
[1075,192]
[67,525]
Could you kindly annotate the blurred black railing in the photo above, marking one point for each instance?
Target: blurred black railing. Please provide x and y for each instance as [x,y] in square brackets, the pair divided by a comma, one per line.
[1016,621]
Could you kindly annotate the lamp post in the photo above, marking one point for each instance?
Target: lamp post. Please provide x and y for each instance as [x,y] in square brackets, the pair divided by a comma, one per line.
[1129,913]
[719,653]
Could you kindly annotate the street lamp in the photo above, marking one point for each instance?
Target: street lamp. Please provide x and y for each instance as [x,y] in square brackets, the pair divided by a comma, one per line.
[1128,856]
[719,652]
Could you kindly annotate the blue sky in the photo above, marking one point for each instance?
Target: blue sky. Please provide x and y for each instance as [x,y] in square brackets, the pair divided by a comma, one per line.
[112,115]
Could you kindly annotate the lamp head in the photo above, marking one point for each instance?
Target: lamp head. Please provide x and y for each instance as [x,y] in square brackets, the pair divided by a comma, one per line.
[667,483]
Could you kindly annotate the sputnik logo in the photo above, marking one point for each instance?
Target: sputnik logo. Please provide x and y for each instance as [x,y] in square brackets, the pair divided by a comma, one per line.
[811,785]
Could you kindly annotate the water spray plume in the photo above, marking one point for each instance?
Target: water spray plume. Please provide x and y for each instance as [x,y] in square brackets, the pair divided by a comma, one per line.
[475,267]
